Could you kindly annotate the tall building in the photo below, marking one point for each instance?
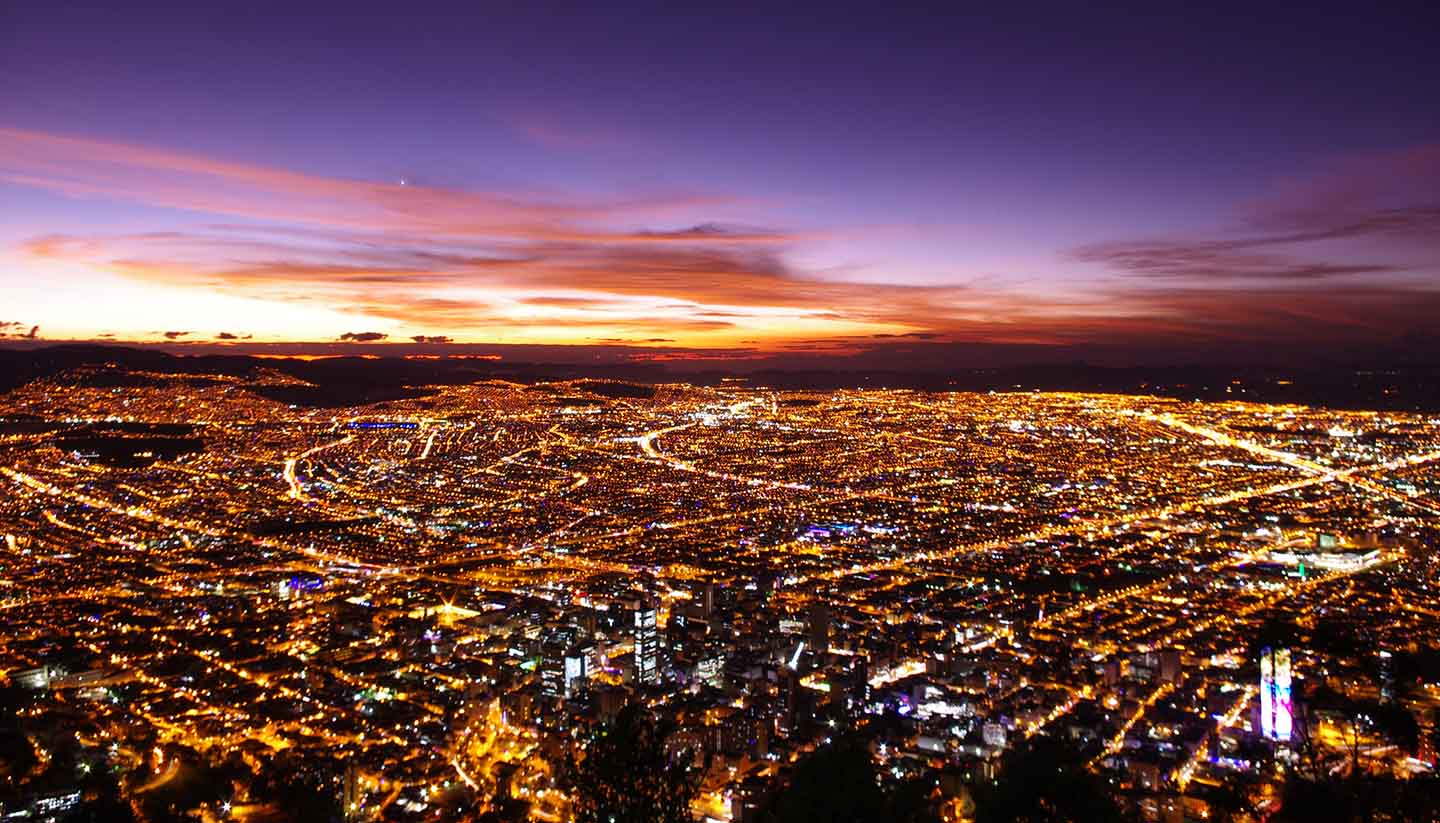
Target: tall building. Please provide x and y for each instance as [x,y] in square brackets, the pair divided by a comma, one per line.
[351,794]
[647,644]
[1170,670]
[576,671]
[857,676]
[1276,711]
[819,628]
[555,649]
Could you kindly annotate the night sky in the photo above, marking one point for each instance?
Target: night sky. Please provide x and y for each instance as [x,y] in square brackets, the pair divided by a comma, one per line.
[825,180]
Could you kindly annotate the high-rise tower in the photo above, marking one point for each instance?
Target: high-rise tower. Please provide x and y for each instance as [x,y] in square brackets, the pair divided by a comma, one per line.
[1276,715]
[647,644]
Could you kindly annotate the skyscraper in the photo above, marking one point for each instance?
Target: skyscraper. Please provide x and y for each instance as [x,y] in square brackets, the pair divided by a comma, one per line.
[647,644]
[1170,671]
[819,628]
[1276,718]
[555,650]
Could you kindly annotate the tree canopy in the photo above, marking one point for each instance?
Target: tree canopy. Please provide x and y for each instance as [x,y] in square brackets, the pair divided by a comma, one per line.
[1045,782]
[629,775]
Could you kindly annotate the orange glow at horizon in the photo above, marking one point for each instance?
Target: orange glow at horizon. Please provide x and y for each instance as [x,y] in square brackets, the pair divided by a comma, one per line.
[244,254]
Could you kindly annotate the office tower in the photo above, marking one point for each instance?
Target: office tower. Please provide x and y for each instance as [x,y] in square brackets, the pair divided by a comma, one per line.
[647,645]
[1276,718]
[555,648]
[819,629]
[1170,670]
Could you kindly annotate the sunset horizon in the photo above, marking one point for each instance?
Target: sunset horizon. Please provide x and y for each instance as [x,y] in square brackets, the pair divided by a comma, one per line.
[145,209]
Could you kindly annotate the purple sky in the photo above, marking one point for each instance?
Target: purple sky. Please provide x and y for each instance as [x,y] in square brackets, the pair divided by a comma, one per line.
[828,178]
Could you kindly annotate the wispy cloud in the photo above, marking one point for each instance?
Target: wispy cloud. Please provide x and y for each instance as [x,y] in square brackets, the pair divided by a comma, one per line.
[565,134]
[1373,216]
[1219,260]
[440,258]
[94,168]
[434,265]
[18,329]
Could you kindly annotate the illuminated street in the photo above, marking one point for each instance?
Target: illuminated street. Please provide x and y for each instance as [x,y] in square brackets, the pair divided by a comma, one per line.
[442,593]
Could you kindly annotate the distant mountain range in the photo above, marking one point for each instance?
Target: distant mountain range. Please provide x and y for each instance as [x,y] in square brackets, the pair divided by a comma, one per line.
[355,380]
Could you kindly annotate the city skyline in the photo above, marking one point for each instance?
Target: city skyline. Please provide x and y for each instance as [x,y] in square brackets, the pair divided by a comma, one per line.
[460,412]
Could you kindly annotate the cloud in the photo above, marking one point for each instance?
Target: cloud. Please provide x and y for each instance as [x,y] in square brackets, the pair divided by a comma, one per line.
[363,336]
[1346,258]
[914,335]
[454,262]
[1218,260]
[656,267]
[225,335]
[564,135]
[682,356]
[175,335]
[84,167]
[405,252]
[1394,196]
[1377,215]
[571,302]
[695,282]
[1337,319]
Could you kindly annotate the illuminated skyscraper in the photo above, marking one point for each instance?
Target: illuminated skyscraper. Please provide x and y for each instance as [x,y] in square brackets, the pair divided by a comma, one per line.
[554,661]
[1387,675]
[647,645]
[1276,714]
